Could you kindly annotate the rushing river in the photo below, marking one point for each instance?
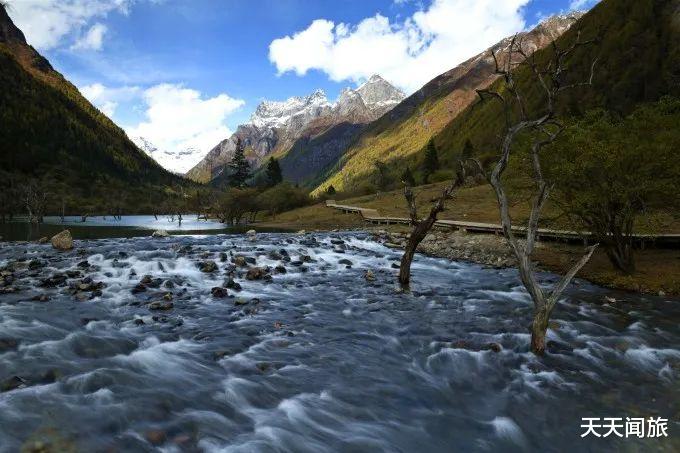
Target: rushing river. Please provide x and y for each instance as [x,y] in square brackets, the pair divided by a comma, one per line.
[123,345]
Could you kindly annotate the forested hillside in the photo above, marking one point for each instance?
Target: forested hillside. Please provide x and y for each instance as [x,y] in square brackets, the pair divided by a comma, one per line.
[56,141]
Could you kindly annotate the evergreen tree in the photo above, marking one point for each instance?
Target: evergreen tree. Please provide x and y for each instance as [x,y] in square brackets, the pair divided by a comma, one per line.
[330,190]
[273,172]
[239,166]
[431,163]
[468,150]
[407,177]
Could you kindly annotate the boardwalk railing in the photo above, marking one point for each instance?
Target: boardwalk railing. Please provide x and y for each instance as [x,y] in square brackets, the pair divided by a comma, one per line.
[373,216]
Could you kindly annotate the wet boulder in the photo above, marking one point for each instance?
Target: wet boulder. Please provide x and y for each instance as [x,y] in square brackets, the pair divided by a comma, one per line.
[232,284]
[256,273]
[369,276]
[495,347]
[240,261]
[155,437]
[13,383]
[139,288]
[207,266]
[62,241]
[162,306]
[556,347]
[53,281]
[346,262]
[43,240]
[280,269]
[35,264]
[219,292]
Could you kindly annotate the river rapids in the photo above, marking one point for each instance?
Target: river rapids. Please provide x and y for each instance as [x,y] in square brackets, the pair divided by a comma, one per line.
[150,345]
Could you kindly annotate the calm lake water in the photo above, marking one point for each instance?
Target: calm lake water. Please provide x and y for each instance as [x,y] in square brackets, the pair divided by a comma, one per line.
[316,359]
[106,227]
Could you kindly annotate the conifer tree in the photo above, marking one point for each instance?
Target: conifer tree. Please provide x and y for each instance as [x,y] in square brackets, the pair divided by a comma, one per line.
[431,163]
[468,150]
[330,190]
[273,172]
[407,177]
[239,166]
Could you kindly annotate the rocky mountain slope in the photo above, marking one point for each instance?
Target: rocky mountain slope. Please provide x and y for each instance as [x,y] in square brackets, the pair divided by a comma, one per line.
[51,132]
[275,126]
[638,61]
[407,128]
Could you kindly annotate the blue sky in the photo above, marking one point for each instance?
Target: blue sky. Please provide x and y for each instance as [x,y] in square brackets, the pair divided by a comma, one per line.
[184,73]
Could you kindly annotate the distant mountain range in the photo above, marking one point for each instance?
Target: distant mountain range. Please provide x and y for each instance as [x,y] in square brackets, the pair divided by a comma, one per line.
[275,126]
[48,128]
[321,143]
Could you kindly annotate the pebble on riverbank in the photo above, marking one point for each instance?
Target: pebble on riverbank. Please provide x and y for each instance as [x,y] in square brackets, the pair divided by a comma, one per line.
[457,245]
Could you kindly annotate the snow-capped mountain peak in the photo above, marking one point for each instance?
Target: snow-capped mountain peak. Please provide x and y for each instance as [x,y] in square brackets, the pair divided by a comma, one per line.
[277,125]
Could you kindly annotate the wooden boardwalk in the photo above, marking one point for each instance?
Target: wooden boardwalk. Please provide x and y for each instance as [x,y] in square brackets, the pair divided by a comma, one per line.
[373,216]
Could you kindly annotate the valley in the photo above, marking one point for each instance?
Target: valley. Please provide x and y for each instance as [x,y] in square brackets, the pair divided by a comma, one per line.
[406,226]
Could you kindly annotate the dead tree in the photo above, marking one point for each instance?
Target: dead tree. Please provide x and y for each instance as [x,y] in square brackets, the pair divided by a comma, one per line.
[35,201]
[543,128]
[420,227]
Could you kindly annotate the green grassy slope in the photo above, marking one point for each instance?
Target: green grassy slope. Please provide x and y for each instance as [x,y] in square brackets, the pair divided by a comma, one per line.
[638,56]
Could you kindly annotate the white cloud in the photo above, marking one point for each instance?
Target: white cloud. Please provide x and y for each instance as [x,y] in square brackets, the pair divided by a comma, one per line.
[47,23]
[93,39]
[582,4]
[407,53]
[107,99]
[182,124]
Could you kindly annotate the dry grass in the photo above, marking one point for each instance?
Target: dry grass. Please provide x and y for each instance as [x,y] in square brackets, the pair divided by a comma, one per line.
[315,217]
[657,269]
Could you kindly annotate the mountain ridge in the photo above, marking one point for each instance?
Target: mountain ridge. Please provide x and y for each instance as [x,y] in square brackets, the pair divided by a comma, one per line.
[409,125]
[275,126]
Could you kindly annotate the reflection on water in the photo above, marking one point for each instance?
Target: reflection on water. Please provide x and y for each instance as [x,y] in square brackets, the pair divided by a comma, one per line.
[100,227]
[189,222]
[315,358]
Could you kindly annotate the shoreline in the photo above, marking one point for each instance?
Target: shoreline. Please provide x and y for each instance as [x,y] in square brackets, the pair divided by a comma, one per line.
[492,250]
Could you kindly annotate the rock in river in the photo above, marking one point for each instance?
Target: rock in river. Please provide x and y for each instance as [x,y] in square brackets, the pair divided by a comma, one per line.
[208,266]
[219,292]
[160,234]
[256,273]
[62,241]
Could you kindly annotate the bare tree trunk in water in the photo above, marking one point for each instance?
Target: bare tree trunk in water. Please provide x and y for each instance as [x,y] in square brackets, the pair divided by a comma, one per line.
[422,227]
[542,129]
